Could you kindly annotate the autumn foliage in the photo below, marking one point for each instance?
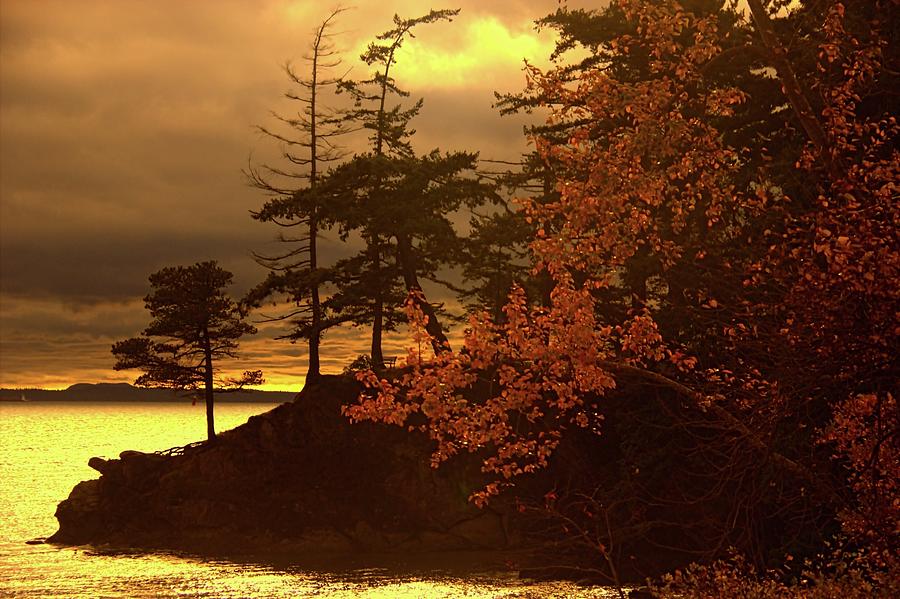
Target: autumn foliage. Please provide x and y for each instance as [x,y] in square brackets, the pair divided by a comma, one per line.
[755,273]
[634,189]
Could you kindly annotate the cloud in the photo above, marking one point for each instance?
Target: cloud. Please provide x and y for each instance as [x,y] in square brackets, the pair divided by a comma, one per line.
[480,52]
[124,126]
[50,344]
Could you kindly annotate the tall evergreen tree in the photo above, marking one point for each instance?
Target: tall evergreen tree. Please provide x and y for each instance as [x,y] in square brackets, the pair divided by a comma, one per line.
[409,203]
[389,138]
[308,147]
[195,325]
[401,203]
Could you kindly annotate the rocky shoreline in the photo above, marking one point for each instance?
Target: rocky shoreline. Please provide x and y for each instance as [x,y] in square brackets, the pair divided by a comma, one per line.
[299,479]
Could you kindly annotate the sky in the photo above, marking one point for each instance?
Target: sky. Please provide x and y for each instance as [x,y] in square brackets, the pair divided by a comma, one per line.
[124,129]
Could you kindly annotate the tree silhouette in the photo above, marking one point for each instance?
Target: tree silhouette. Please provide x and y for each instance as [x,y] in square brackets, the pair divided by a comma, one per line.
[389,138]
[723,229]
[309,145]
[195,324]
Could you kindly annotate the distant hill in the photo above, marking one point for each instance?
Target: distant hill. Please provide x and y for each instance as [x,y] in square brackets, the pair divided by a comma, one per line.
[126,392]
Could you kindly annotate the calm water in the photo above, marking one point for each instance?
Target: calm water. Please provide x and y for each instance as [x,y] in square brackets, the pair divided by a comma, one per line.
[44,449]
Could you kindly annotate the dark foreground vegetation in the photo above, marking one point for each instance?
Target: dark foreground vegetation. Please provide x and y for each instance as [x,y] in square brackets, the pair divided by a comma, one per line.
[683,342]
[302,481]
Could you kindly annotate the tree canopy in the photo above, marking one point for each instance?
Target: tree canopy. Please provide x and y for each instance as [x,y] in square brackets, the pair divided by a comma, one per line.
[194,325]
[701,262]
[720,226]
[310,145]
[400,204]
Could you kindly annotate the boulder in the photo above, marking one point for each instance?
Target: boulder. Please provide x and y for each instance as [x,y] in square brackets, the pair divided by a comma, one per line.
[104,466]
[80,517]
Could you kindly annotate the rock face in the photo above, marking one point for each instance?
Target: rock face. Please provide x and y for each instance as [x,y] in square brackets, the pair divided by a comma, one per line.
[297,478]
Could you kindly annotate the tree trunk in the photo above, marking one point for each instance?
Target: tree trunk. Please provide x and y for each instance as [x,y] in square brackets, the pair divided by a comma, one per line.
[378,313]
[208,387]
[406,262]
[795,95]
[636,275]
[315,337]
[815,481]
[378,309]
[312,372]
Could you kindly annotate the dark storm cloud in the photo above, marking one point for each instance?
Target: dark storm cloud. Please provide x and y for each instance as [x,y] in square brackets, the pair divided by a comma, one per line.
[114,265]
[38,320]
[124,127]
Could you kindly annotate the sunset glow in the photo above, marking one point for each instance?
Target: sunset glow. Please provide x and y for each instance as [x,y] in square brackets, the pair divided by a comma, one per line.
[129,156]
[486,52]
[554,298]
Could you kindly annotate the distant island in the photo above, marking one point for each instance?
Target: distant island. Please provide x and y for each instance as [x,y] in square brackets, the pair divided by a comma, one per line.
[126,392]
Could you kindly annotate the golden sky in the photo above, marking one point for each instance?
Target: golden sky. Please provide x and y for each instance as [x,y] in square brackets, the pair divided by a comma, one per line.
[124,127]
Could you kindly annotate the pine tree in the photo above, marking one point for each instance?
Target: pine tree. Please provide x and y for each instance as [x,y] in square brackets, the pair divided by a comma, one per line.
[195,325]
[389,138]
[309,146]
[400,202]
[409,203]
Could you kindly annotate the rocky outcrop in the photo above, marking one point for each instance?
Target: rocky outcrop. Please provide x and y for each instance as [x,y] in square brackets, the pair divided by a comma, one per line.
[297,478]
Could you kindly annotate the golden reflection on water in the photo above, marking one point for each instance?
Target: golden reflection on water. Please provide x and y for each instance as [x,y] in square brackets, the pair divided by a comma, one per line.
[44,449]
